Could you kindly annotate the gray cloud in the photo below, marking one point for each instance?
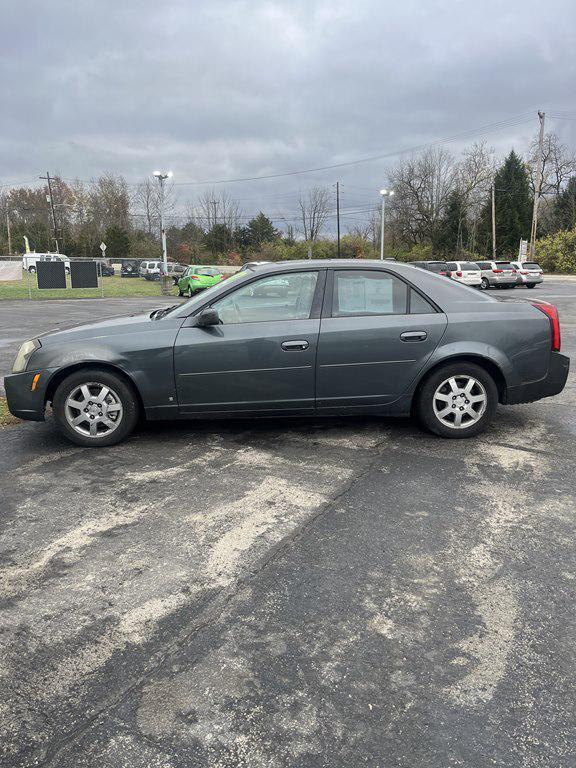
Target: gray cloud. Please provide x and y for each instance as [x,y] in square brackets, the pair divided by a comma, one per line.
[227,88]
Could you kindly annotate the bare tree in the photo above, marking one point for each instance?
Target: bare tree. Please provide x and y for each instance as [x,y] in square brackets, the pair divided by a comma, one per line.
[474,177]
[422,184]
[558,164]
[147,200]
[216,208]
[314,207]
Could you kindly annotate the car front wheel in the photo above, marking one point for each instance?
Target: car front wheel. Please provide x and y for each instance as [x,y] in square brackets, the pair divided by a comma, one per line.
[530,285]
[93,408]
[458,400]
[484,285]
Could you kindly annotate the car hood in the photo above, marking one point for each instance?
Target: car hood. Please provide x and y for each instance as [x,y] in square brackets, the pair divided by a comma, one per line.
[110,326]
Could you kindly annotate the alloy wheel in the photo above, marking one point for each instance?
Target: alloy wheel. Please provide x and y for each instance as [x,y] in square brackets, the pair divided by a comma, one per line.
[460,401]
[93,409]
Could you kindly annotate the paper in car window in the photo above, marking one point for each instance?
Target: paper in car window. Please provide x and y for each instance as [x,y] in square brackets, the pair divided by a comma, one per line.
[361,295]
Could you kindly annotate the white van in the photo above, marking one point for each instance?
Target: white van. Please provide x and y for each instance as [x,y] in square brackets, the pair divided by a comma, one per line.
[29,260]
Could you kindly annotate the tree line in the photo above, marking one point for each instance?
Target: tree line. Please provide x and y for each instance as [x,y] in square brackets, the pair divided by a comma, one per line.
[442,207]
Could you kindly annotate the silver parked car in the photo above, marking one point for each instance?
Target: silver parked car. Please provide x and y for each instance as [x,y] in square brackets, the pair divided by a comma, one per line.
[497,274]
[528,273]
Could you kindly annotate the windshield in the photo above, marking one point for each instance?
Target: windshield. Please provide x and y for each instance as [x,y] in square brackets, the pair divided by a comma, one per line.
[211,271]
[531,265]
[437,266]
[504,265]
[469,265]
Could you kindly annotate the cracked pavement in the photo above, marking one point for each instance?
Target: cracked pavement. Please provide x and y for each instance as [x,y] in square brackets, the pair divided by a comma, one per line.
[305,593]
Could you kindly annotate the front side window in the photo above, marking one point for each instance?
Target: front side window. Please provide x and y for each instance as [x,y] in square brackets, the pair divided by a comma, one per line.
[368,293]
[276,297]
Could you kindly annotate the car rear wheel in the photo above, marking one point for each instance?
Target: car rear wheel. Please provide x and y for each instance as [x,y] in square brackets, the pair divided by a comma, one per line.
[458,400]
[190,292]
[94,408]
[484,284]
[530,285]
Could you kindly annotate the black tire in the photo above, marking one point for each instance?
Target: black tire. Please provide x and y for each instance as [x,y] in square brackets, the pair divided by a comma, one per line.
[530,285]
[190,292]
[180,293]
[485,284]
[425,398]
[123,389]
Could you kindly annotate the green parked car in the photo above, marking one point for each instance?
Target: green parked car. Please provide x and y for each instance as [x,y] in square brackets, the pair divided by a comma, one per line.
[196,279]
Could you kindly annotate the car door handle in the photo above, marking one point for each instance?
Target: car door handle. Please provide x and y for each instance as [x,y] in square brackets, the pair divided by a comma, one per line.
[290,346]
[414,336]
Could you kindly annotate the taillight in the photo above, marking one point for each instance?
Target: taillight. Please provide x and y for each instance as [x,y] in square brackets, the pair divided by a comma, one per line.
[497,271]
[458,274]
[446,274]
[194,277]
[552,312]
[524,272]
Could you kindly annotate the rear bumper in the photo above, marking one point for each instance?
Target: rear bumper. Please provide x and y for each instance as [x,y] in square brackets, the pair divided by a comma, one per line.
[550,385]
[22,401]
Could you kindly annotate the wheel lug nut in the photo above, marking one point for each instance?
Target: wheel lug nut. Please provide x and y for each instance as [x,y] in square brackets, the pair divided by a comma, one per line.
[91,417]
[461,407]
[453,406]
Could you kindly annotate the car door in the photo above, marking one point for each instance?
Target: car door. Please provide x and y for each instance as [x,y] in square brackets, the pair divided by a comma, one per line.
[376,334]
[261,358]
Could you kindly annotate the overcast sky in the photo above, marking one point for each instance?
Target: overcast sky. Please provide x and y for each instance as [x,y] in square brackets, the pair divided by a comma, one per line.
[224,89]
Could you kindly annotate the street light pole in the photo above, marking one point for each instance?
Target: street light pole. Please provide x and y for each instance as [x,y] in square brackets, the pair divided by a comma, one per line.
[161,179]
[384,193]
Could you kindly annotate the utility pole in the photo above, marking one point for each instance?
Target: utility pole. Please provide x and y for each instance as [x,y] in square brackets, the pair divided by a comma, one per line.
[215,204]
[338,214]
[537,186]
[51,201]
[493,223]
[9,233]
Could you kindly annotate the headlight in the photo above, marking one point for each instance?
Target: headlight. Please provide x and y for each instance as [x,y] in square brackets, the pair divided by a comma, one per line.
[24,355]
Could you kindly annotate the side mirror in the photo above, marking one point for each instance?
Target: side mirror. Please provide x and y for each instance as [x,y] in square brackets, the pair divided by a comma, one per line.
[208,317]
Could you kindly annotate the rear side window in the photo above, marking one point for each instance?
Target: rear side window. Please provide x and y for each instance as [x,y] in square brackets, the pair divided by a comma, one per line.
[368,293]
[438,266]
[419,305]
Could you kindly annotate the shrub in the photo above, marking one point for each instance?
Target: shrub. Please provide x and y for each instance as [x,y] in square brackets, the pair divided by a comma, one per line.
[557,252]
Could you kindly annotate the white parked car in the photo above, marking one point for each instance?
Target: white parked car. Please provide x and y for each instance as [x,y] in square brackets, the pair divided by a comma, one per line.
[150,270]
[29,260]
[467,272]
[528,273]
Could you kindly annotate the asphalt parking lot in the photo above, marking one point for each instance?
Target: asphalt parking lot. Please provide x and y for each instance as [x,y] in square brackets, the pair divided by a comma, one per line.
[308,594]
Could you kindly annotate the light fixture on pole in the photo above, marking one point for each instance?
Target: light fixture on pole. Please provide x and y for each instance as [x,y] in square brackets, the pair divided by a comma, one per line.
[384,193]
[161,179]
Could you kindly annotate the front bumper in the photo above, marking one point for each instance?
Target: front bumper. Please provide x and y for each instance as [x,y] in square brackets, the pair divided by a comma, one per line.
[23,401]
[552,384]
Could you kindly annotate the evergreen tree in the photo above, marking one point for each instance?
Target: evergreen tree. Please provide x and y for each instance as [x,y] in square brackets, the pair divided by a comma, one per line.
[513,209]
[219,239]
[452,230]
[565,206]
[117,242]
[261,231]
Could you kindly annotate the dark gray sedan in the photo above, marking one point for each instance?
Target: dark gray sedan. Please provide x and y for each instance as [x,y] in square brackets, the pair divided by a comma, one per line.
[344,337]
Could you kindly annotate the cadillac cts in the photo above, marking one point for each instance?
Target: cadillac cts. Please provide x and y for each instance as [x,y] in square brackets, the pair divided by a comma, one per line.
[340,337]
